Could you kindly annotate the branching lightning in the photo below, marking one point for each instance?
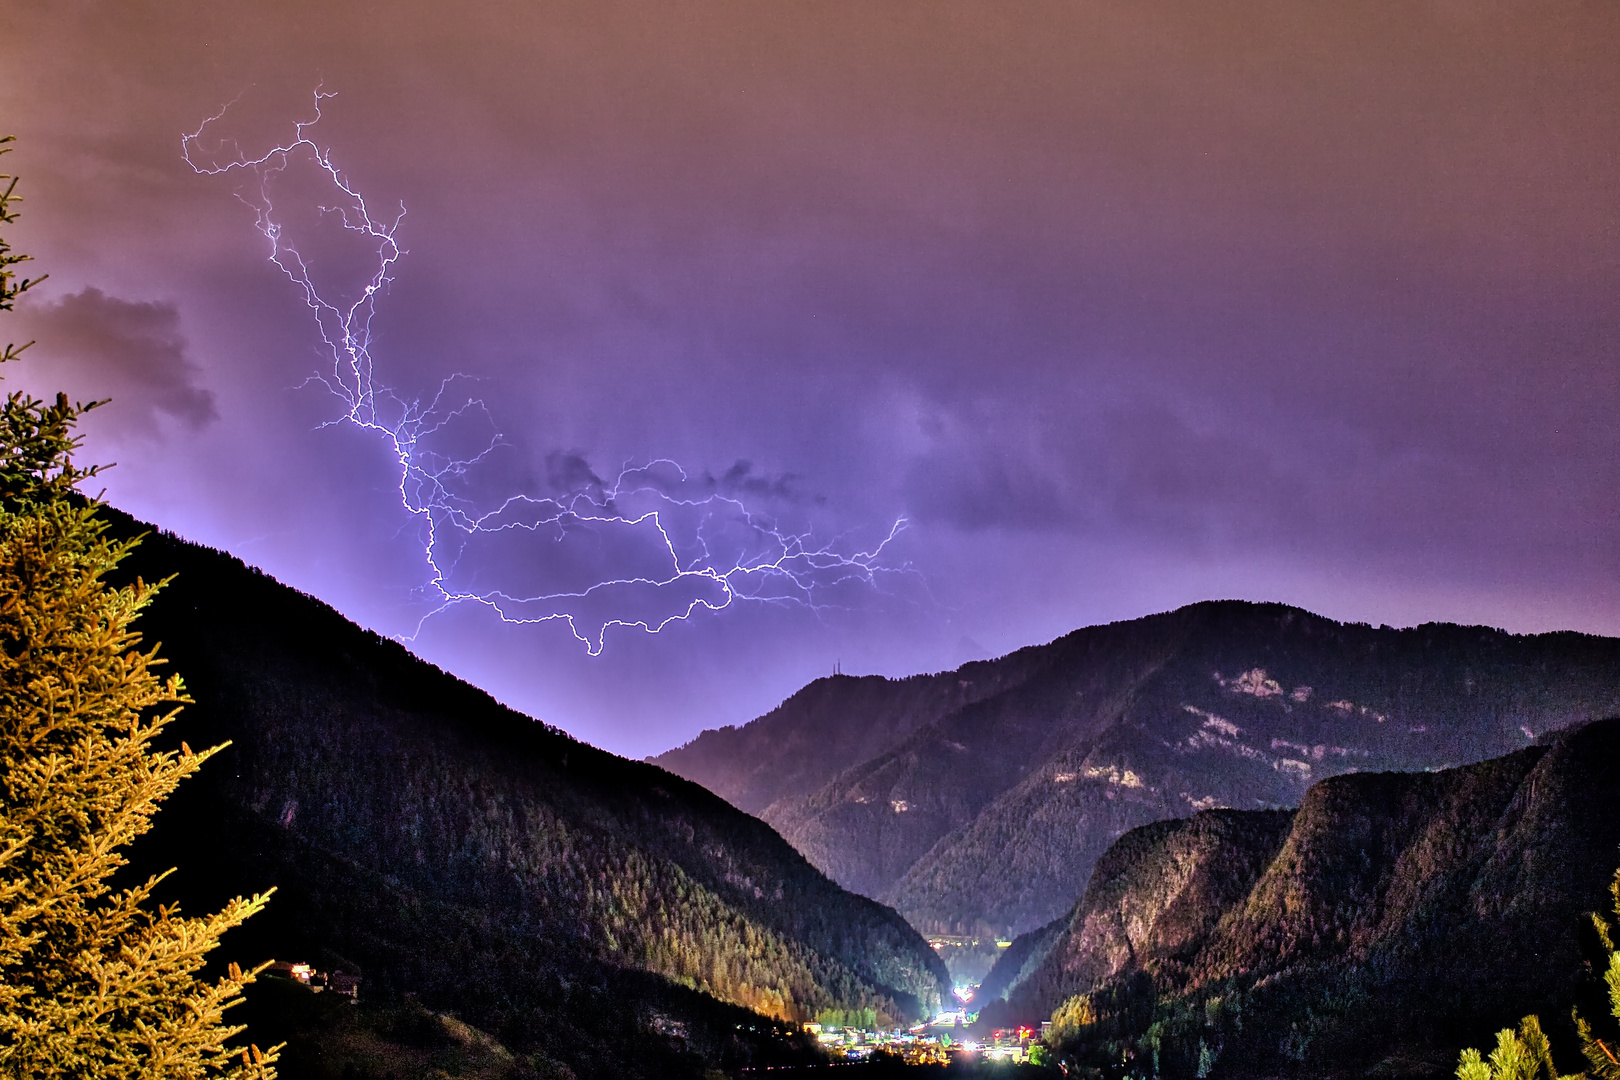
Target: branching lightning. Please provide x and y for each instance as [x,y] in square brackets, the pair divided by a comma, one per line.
[649,548]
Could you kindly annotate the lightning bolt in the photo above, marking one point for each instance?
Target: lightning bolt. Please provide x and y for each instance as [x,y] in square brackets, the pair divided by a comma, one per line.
[652,547]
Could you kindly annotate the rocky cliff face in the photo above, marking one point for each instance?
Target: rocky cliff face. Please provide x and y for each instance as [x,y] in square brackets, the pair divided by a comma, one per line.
[1396,915]
[573,903]
[997,787]
[1155,898]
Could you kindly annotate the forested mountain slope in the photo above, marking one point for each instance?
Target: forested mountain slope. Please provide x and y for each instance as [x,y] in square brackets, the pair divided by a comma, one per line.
[569,901]
[1003,782]
[817,733]
[1154,899]
[1395,916]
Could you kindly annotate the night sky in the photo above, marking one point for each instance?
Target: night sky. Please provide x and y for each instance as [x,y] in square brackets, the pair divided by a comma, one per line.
[1120,305]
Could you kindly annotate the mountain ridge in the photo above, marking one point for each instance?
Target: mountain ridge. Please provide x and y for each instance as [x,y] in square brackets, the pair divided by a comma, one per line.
[1003,781]
[451,848]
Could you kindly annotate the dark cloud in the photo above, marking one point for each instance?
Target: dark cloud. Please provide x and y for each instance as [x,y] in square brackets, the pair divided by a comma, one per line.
[744,480]
[1120,468]
[568,473]
[982,487]
[93,346]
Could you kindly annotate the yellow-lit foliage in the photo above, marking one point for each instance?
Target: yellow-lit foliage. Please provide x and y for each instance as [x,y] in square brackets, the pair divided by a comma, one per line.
[1074,1014]
[91,984]
[1604,1054]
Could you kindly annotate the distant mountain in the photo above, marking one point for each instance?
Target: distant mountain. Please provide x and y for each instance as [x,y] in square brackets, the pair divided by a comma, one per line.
[981,798]
[1393,919]
[818,733]
[602,915]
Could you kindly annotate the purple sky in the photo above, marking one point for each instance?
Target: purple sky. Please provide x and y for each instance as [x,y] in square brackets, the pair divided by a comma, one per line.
[1120,305]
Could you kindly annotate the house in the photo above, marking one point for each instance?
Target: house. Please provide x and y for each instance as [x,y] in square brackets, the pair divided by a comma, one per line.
[289,969]
[347,985]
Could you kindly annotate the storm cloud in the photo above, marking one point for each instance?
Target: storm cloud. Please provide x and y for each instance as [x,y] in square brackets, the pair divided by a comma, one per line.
[93,346]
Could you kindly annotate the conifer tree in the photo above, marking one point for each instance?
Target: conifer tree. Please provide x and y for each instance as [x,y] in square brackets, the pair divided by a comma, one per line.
[94,983]
[1604,1054]
[1521,1055]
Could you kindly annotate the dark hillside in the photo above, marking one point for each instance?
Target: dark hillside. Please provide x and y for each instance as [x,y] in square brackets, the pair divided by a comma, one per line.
[992,813]
[816,734]
[555,895]
[1395,918]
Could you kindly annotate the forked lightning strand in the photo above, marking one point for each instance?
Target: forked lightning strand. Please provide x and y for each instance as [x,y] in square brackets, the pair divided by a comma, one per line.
[697,547]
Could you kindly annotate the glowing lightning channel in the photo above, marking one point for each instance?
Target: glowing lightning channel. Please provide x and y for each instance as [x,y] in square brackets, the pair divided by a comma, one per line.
[707,550]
